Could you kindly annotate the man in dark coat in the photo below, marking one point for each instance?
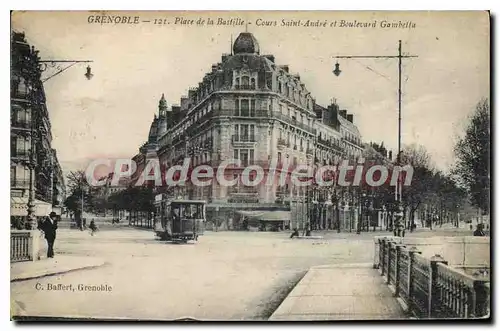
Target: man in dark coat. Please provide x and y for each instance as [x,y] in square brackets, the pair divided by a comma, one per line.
[49,227]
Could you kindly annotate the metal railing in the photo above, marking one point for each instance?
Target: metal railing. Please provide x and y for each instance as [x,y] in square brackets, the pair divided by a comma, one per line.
[243,190]
[243,138]
[429,287]
[239,112]
[20,124]
[245,87]
[23,153]
[293,122]
[15,182]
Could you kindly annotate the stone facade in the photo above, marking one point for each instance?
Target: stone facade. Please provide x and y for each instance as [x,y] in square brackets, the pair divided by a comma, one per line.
[40,171]
[249,108]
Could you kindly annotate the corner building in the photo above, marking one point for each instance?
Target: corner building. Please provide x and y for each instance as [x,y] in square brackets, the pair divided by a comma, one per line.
[249,108]
[34,166]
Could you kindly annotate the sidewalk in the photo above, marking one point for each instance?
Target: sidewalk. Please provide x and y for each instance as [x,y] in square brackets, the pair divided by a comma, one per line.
[340,292]
[60,264]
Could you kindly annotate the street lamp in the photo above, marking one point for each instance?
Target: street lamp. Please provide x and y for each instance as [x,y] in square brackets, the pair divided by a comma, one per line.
[399,56]
[361,202]
[337,70]
[37,99]
[89,73]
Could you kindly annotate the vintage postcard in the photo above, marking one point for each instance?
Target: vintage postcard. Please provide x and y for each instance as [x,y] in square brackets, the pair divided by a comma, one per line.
[250,166]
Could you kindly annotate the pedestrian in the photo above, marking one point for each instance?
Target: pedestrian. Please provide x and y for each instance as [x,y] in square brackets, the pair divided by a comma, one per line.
[93,228]
[295,233]
[307,230]
[49,227]
[479,231]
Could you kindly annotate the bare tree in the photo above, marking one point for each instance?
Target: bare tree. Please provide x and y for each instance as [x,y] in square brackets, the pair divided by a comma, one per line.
[473,153]
[422,182]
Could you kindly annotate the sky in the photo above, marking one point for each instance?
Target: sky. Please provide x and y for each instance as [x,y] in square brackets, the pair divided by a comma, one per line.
[133,64]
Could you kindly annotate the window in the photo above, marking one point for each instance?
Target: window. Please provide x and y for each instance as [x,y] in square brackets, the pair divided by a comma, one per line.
[244,157]
[279,156]
[245,81]
[252,83]
[244,107]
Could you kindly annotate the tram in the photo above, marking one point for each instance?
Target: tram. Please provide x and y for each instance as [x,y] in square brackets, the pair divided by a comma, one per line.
[179,220]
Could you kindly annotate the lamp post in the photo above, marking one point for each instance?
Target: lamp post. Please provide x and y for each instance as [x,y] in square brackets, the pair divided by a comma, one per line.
[398,191]
[328,207]
[361,202]
[37,98]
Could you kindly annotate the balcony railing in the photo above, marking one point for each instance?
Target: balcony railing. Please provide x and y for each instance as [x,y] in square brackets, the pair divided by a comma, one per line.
[19,183]
[243,138]
[330,144]
[250,190]
[245,87]
[20,153]
[250,112]
[293,122]
[20,124]
[282,142]
[352,141]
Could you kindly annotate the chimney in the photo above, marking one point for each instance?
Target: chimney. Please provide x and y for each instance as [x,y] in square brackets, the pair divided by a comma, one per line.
[350,117]
[343,113]
[285,68]
[224,57]
[390,155]
[214,67]
[270,58]
[192,93]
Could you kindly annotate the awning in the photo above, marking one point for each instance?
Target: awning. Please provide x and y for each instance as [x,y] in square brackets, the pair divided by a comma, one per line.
[276,215]
[251,213]
[19,207]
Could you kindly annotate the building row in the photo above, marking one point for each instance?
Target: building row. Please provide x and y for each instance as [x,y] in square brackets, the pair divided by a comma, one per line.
[248,107]
[35,172]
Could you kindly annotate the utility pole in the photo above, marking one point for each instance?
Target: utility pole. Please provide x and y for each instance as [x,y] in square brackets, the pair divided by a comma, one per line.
[398,191]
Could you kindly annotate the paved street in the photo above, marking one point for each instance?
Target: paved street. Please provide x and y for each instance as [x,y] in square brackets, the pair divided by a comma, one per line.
[225,275]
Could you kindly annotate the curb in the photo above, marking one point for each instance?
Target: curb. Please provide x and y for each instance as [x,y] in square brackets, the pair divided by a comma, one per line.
[55,273]
[270,318]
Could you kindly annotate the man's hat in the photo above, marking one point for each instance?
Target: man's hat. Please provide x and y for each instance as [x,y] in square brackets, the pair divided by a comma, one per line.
[52,214]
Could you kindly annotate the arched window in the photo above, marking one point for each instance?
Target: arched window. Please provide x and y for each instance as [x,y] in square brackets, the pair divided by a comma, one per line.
[237,82]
